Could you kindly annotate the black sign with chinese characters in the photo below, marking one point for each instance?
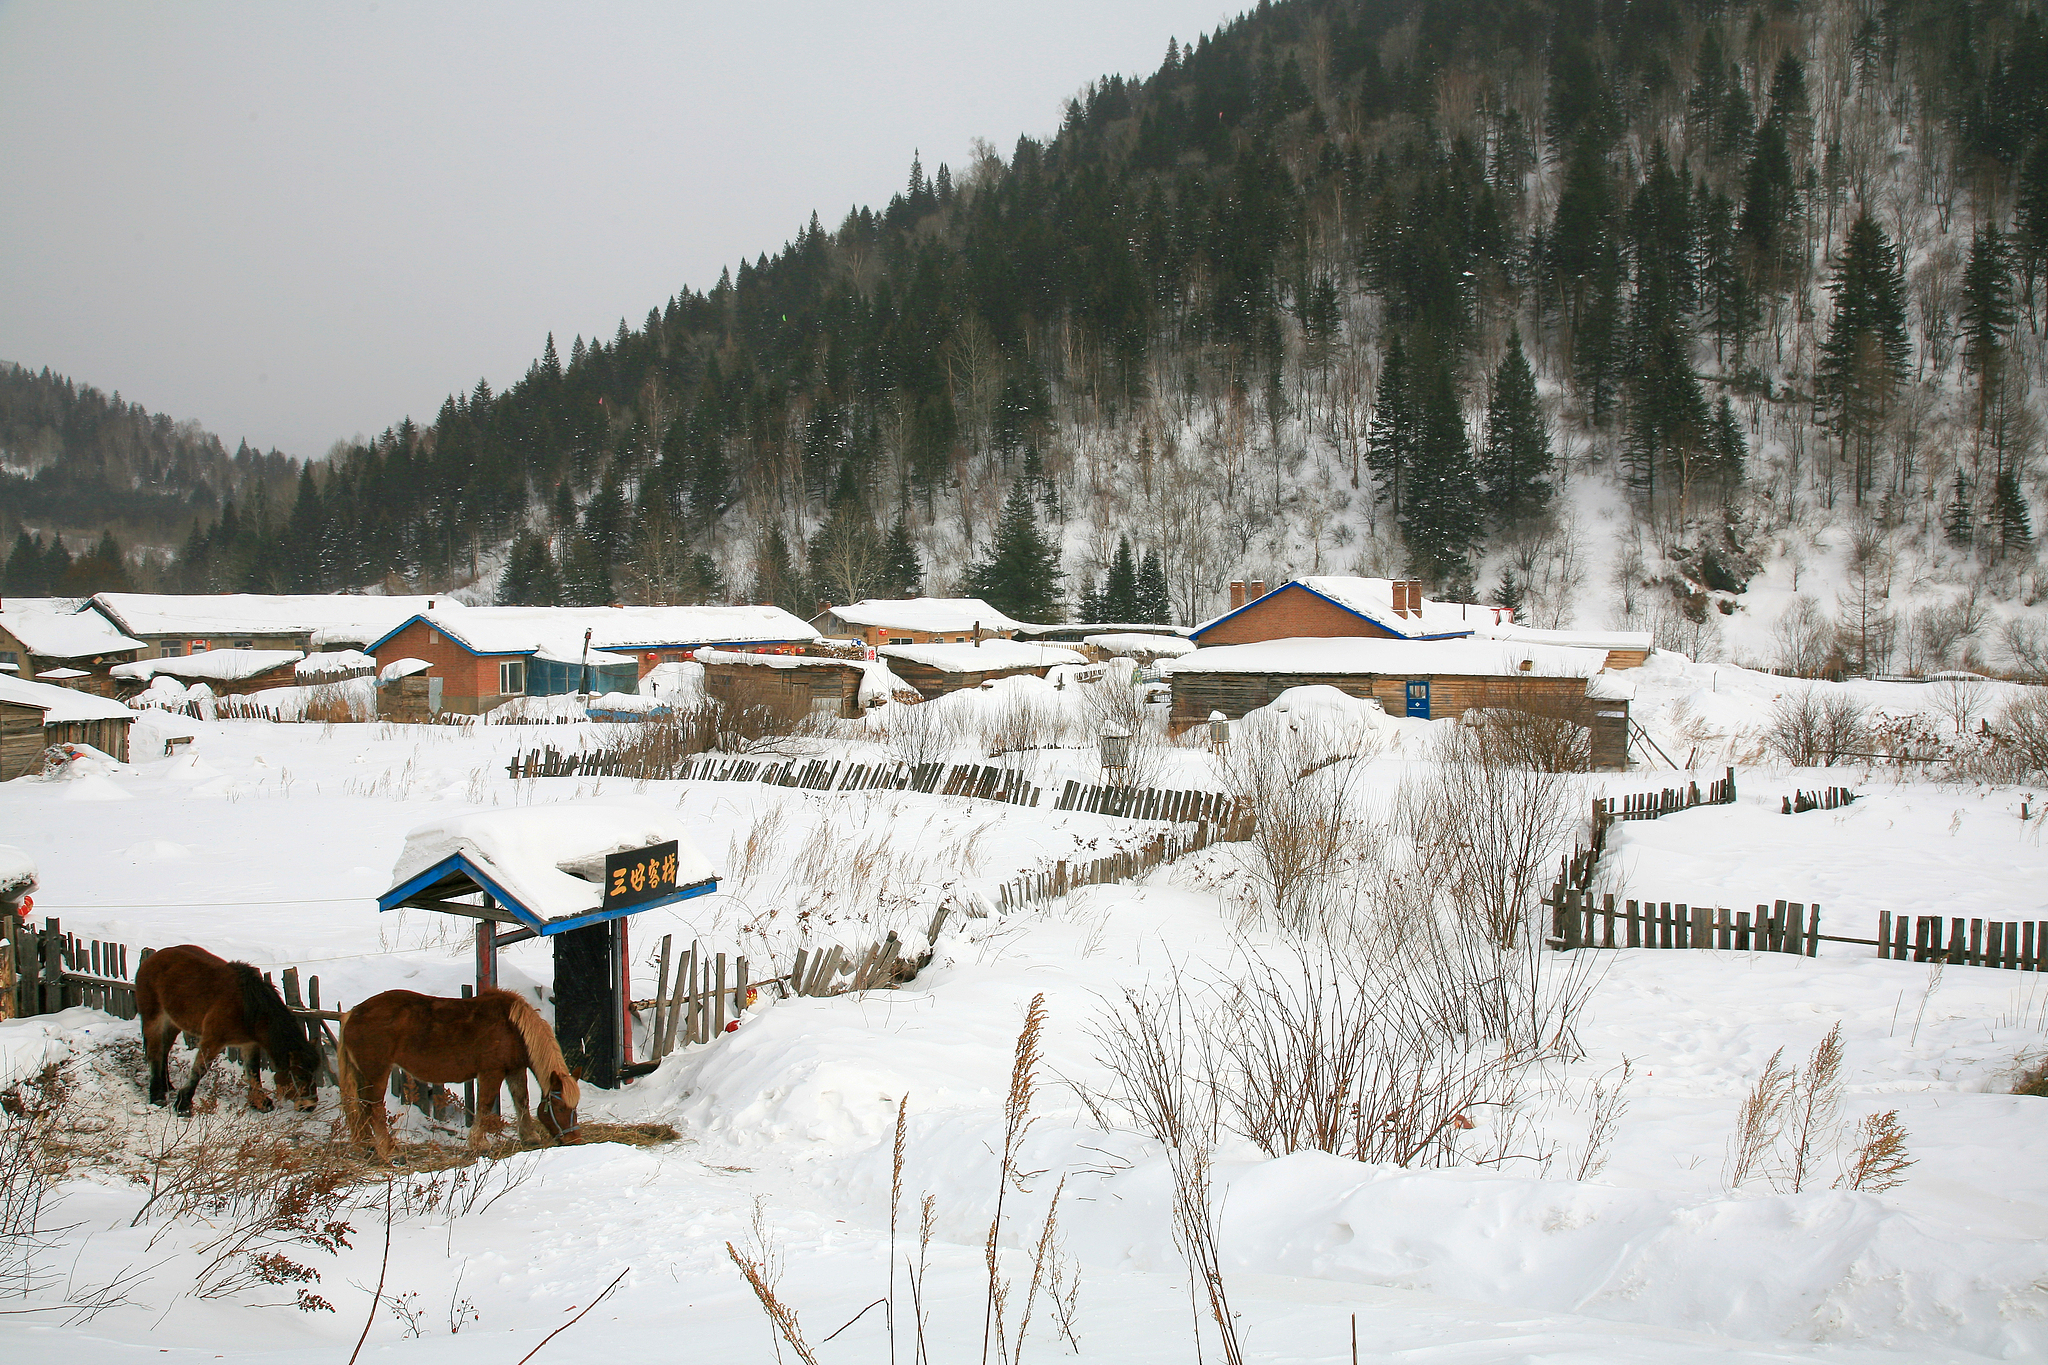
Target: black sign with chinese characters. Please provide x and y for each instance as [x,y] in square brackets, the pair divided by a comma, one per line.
[641,874]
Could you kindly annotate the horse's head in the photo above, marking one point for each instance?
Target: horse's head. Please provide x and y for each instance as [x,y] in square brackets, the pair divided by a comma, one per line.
[298,1075]
[557,1108]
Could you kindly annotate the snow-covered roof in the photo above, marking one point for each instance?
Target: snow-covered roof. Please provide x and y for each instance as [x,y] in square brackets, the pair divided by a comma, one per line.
[62,674]
[337,618]
[1394,658]
[330,662]
[60,705]
[1373,599]
[933,615]
[876,679]
[1134,643]
[1573,639]
[64,634]
[549,859]
[989,654]
[1083,629]
[557,632]
[213,665]
[402,668]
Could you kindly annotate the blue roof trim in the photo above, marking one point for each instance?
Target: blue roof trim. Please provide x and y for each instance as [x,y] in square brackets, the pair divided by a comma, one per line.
[1341,606]
[457,862]
[453,639]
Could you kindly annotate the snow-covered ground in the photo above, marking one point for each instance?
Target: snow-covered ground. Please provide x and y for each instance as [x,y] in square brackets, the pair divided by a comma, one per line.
[270,842]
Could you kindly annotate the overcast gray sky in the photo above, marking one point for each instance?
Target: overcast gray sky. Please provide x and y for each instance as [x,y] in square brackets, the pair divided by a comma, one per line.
[300,222]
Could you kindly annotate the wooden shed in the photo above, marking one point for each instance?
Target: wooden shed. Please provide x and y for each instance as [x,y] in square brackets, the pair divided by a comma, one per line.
[799,684]
[227,672]
[1427,680]
[34,716]
[935,670]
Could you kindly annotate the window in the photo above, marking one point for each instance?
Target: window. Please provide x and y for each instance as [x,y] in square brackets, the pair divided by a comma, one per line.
[200,646]
[512,677]
[245,644]
[9,657]
[171,649]
[900,640]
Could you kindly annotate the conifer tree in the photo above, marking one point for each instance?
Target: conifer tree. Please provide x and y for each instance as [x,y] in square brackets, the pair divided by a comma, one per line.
[529,579]
[1390,438]
[903,571]
[1987,316]
[56,563]
[1119,600]
[1088,604]
[2030,223]
[1515,467]
[1958,517]
[1021,576]
[586,574]
[776,580]
[1863,360]
[1155,604]
[25,570]
[1441,519]
[2009,514]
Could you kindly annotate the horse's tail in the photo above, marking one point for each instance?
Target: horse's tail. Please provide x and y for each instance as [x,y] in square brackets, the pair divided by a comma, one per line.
[284,1035]
[543,1054]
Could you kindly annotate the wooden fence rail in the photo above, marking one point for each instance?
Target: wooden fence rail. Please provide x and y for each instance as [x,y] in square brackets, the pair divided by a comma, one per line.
[1579,920]
[1064,876]
[982,782]
[1828,798]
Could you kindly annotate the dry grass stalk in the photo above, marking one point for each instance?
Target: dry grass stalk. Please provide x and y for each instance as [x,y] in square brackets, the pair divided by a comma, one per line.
[927,1221]
[1609,1103]
[1044,1265]
[1759,1121]
[895,1203]
[1815,1104]
[1879,1161]
[1194,1225]
[28,1171]
[779,1313]
[1017,1122]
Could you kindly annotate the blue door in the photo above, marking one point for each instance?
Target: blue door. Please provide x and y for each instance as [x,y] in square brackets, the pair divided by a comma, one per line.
[1418,698]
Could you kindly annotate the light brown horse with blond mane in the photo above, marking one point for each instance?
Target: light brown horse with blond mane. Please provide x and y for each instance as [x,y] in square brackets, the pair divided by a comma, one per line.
[493,1038]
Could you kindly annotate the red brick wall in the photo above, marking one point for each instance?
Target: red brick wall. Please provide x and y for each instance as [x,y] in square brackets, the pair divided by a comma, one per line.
[465,678]
[1287,614]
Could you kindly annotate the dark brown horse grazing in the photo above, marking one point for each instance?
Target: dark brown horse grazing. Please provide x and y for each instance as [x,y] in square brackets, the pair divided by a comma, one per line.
[227,1004]
[493,1038]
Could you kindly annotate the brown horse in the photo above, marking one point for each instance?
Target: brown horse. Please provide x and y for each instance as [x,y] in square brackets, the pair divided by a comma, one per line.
[227,1004]
[493,1038]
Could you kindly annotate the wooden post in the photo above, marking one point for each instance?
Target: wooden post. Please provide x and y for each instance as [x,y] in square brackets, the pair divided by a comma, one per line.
[486,951]
[655,1031]
[1884,933]
[50,998]
[718,1016]
[1743,941]
[739,990]
[7,969]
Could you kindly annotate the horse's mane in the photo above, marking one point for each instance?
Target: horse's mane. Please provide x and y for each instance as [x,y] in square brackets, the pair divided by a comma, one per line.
[543,1053]
[284,1037]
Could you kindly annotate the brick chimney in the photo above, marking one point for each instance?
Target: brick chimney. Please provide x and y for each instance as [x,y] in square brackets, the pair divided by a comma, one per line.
[1254,590]
[1400,590]
[1415,598]
[1236,593]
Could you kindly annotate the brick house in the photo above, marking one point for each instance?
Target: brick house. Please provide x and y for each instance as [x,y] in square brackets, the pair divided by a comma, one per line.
[1334,607]
[482,657]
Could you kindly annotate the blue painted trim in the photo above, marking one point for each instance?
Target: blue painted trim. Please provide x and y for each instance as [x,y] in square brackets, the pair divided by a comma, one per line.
[457,862]
[453,639]
[1341,606]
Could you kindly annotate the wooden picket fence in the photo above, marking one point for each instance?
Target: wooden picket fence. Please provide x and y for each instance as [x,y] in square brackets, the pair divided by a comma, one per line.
[1580,920]
[1653,805]
[46,970]
[979,781]
[2015,945]
[1065,876]
[1828,798]
[1147,803]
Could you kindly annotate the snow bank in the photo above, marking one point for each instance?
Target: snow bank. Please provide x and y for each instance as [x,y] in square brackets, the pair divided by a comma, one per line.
[17,874]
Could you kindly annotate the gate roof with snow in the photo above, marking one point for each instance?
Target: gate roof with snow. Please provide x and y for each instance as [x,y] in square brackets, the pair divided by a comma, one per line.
[549,869]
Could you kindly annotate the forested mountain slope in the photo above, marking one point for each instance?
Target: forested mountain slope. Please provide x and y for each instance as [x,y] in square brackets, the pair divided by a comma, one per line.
[76,463]
[1721,319]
